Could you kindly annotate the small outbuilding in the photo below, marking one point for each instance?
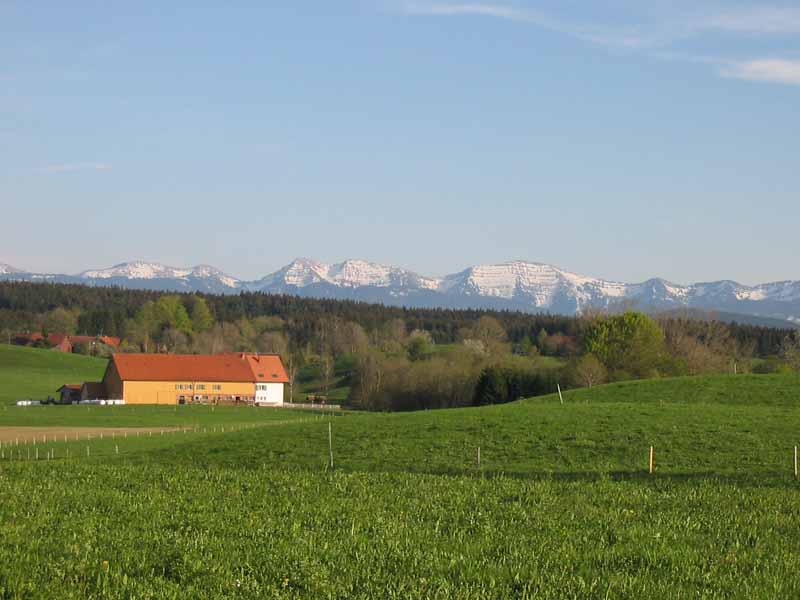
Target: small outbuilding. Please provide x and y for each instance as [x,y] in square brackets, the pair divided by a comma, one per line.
[69,393]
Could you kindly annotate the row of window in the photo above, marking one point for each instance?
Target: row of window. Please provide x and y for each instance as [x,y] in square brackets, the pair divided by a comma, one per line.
[204,398]
[263,387]
[199,387]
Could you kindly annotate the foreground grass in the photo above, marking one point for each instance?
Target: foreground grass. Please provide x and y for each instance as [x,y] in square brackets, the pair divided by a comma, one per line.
[33,373]
[560,506]
[144,531]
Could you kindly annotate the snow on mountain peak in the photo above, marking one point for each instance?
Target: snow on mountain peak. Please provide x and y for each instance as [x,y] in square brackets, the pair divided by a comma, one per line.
[148,270]
[351,273]
[209,272]
[539,283]
[6,269]
[137,270]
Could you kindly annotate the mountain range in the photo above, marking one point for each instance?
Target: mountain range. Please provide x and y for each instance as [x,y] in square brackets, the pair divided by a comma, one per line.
[516,285]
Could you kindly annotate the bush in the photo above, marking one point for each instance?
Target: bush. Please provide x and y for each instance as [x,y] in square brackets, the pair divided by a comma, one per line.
[500,384]
[772,366]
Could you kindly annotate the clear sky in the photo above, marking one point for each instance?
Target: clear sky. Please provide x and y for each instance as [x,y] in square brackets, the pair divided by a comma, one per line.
[618,138]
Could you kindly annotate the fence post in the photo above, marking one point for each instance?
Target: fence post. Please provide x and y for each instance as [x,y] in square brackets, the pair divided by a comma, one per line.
[795,462]
[560,396]
[330,442]
[652,460]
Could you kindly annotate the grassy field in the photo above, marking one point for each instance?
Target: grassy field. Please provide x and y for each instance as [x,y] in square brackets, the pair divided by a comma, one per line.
[561,504]
[36,374]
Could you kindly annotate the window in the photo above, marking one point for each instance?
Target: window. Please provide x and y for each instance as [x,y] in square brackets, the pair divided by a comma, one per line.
[200,386]
[216,388]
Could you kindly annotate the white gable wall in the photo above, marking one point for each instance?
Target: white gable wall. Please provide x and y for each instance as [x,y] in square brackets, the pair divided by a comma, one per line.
[269,393]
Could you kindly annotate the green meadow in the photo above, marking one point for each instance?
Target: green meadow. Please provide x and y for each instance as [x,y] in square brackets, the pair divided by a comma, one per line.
[244,503]
[32,373]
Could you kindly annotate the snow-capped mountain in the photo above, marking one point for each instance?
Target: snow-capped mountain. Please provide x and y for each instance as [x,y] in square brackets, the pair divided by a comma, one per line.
[142,275]
[6,269]
[348,274]
[199,278]
[516,285]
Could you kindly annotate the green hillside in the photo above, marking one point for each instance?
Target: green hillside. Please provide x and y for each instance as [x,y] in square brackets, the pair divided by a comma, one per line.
[739,427]
[35,373]
[561,505]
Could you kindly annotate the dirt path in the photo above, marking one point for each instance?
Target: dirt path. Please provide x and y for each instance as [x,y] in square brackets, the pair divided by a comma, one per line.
[56,434]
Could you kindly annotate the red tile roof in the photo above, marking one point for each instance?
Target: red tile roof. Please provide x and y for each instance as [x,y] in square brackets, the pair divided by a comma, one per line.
[56,338]
[238,367]
[267,367]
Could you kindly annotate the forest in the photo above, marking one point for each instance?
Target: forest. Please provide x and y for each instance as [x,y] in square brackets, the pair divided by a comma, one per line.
[391,358]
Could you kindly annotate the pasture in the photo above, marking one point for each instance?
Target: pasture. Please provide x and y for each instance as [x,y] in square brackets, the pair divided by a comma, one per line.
[561,504]
[32,373]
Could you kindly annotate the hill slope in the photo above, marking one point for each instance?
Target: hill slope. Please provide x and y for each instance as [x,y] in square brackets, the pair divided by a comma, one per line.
[35,373]
[736,427]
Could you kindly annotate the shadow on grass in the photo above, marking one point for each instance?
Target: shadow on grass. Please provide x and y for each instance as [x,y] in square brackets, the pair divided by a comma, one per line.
[765,479]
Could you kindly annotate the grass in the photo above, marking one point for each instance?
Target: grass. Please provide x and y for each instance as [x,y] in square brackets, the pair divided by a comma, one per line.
[32,373]
[143,531]
[561,505]
[137,416]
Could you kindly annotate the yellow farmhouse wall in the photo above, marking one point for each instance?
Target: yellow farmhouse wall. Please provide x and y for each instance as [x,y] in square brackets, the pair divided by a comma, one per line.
[166,392]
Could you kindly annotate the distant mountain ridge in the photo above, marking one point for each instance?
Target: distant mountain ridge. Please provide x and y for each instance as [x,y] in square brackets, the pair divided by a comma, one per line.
[516,285]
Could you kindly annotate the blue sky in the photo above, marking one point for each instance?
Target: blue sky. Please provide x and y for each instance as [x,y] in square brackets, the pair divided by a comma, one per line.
[622,139]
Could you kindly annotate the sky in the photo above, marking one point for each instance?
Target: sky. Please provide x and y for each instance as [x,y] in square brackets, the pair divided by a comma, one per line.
[624,139]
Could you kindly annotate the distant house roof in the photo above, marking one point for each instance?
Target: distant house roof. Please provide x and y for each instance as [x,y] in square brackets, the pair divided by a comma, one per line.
[239,367]
[56,338]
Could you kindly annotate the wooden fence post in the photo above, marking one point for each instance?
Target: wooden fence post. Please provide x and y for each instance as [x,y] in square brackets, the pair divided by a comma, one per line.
[652,460]
[330,442]
[795,462]
[560,396]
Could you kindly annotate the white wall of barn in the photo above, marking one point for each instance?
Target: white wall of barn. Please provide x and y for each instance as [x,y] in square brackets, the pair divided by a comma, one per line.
[269,393]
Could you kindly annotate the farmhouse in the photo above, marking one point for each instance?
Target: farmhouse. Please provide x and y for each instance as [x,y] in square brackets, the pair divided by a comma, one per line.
[234,378]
